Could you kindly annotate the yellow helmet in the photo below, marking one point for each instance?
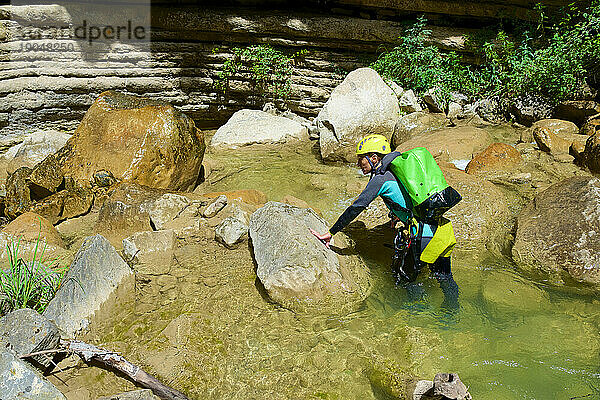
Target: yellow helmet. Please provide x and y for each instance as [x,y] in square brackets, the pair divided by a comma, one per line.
[373,144]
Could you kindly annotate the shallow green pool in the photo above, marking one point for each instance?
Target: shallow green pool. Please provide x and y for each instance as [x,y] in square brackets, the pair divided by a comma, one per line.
[205,328]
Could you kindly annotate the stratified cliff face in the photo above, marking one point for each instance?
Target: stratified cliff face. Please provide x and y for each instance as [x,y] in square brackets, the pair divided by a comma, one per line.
[188,44]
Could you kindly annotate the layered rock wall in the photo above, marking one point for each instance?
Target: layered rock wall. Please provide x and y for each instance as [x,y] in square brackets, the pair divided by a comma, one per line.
[46,88]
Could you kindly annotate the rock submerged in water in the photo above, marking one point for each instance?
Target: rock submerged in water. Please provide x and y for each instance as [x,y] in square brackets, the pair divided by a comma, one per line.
[297,270]
[558,231]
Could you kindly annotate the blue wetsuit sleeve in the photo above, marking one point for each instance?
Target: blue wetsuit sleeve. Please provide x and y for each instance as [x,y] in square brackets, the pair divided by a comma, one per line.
[365,198]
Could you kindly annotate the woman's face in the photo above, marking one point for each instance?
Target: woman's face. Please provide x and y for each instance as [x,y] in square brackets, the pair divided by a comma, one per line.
[363,163]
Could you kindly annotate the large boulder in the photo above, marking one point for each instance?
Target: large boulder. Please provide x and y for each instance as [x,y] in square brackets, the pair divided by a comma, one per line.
[25,331]
[576,111]
[137,139]
[362,104]
[591,153]
[95,274]
[482,217]
[558,231]
[247,127]
[248,196]
[460,143]
[19,380]
[414,124]
[498,156]
[556,126]
[530,108]
[297,270]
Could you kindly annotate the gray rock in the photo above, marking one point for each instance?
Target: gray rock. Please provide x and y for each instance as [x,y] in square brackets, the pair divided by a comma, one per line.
[415,124]
[213,208]
[25,331]
[297,270]
[150,252]
[231,231]
[454,110]
[95,273]
[142,394]
[528,109]
[433,101]
[449,386]
[247,127]
[558,231]
[166,208]
[423,390]
[37,147]
[459,98]
[398,90]
[18,380]
[408,102]
[490,109]
[361,104]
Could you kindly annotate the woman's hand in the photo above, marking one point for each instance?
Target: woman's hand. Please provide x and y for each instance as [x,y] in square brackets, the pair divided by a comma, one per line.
[325,238]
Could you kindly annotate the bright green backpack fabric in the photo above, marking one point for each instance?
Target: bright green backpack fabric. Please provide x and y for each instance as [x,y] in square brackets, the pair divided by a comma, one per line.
[419,173]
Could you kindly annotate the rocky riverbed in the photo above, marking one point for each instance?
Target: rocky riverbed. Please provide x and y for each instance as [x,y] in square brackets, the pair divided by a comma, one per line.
[190,252]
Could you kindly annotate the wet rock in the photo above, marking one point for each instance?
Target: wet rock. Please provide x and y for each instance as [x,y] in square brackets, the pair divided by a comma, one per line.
[36,147]
[166,208]
[414,124]
[482,216]
[390,379]
[213,208]
[451,143]
[591,153]
[297,270]
[530,108]
[75,200]
[151,252]
[25,331]
[498,156]
[591,126]
[361,103]
[126,211]
[249,196]
[294,201]
[104,178]
[449,386]
[576,111]
[556,126]
[18,195]
[93,276]
[31,226]
[142,394]
[137,139]
[231,231]
[433,101]
[408,102]
[247,127]
[18,380]
[550,142]
[558,231]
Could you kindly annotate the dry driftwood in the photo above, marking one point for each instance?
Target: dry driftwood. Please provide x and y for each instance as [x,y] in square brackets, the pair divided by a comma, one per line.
[114,361]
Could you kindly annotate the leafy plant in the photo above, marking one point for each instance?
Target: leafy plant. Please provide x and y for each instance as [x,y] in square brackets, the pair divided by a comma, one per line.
[29,284]
[556,62]
[269,69]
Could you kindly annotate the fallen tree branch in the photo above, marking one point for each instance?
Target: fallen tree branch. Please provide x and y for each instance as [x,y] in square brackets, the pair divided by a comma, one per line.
[113,360]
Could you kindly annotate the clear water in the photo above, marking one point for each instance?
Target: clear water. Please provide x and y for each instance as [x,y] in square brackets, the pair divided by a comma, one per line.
[205,328]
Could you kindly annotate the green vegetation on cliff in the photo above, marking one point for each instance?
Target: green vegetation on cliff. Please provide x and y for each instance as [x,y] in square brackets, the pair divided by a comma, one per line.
[553,57]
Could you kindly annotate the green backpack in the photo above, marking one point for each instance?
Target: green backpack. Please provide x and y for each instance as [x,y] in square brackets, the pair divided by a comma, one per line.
[424,181]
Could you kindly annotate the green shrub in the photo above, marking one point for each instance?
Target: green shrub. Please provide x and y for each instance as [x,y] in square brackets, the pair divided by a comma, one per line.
[269,69]
[29,284]
[556,63]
